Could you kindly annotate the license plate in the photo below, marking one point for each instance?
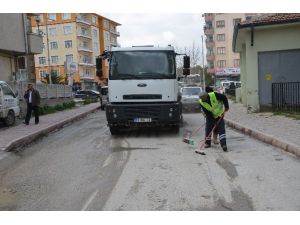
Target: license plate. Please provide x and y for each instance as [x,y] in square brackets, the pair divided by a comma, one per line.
[142,120]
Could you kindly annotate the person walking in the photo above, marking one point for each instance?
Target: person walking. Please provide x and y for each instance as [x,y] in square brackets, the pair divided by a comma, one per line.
[33,99]
[212,105]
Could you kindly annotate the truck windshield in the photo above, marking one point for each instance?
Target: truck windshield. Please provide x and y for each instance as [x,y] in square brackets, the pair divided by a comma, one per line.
[142,65]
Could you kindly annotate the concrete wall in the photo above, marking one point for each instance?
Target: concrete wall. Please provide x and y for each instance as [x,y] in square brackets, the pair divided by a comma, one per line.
[7,67]
[12,32]
[266,38]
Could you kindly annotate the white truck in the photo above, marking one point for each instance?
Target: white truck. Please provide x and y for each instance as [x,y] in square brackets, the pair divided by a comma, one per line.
[142,87]
[9,104]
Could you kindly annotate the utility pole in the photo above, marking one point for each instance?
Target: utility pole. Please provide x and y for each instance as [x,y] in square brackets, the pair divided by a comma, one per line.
[203,64]
[48,48]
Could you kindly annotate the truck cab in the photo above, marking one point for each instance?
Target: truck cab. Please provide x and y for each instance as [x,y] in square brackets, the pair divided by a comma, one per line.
[9,104]
[143,88]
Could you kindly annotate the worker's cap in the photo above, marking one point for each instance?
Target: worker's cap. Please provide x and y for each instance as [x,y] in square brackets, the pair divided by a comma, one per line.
[202,93]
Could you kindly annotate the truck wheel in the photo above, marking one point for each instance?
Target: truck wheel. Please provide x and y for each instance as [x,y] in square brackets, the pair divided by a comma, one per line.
[114,130]
[176,129]
[10,119]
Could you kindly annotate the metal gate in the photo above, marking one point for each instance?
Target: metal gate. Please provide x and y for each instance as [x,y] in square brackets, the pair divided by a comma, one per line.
[286,96]
[277,67]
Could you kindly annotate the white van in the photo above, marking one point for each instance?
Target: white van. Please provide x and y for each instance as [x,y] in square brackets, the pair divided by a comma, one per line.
[9,104]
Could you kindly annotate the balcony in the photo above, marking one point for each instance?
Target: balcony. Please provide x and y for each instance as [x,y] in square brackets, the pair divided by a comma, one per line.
[208,31]
[210,57]
[81,19]
[84,48]
[35,43]
[115,33]
[210,70]
[209,44]
[84,76]
[86,62]
[208,17]
[84,35]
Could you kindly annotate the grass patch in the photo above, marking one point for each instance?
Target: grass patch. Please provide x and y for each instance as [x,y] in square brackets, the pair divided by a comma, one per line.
[89,101]
[294,115]
[46,109]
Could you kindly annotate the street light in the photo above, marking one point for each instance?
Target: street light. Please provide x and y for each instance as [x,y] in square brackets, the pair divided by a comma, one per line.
[38,20]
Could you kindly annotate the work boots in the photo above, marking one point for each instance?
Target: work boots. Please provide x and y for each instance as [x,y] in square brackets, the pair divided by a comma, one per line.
[224,147]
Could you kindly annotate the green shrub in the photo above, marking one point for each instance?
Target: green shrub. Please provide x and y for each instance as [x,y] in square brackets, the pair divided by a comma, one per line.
[59,107]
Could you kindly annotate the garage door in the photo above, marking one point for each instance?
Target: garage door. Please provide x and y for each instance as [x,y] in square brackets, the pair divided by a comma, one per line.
[279,66]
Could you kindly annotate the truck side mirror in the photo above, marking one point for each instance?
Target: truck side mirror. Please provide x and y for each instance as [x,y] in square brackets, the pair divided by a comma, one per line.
[186,65]
[99,71]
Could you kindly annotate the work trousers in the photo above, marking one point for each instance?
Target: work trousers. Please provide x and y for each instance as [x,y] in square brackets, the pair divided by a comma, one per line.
[31,108]
[220,129]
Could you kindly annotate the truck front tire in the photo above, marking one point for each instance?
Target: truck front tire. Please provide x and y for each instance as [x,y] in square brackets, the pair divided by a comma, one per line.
[114,130]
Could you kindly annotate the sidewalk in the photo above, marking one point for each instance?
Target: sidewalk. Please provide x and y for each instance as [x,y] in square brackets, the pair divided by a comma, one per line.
[279,131]
[22,134]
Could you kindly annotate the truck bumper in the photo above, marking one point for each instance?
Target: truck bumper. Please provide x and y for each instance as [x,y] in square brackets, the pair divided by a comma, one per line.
[154,114]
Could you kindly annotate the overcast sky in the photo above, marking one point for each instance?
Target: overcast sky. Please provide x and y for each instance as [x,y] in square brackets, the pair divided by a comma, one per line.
[158,29]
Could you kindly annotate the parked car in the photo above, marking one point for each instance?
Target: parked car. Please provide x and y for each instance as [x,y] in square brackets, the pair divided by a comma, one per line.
[9,104]
[103,97]
[87,94]
[190,98]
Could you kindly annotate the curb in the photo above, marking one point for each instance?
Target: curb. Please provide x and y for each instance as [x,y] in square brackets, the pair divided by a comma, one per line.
[291,148]
[27,139]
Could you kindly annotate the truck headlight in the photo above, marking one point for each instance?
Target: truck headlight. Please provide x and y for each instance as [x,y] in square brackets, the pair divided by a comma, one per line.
[170,114]
[171,109]
[115,115]
[113,110]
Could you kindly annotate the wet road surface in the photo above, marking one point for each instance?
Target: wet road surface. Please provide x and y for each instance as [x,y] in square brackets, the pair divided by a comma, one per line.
[82,167]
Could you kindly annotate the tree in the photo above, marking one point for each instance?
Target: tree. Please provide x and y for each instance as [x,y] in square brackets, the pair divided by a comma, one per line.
[55,79]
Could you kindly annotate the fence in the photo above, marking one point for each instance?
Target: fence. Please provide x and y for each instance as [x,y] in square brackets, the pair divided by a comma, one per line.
[286,96]
[47,91]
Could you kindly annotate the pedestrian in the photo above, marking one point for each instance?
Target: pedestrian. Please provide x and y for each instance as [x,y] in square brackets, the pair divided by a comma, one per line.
[32,97]
[212,106]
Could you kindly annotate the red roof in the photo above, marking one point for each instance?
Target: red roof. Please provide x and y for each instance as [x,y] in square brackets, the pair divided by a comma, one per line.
[275,18]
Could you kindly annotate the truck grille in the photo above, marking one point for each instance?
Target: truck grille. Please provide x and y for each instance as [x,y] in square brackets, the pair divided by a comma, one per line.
[145,96]
[142,112]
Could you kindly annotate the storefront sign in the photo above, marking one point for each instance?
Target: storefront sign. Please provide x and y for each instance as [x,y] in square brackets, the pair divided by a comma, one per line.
[227,71]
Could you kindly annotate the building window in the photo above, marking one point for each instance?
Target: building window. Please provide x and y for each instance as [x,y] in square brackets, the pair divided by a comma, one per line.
[106,24]
[94,19]
[236,21]
[69,58]
[54,72]
[52,31]
[42,73]
[84,31]
[96,46]
[221,63]
[236,63]
[221,51]
[220,37]
[53,45]
[68,44]
[95,33]
[54,59]
[52,16]
[66,16]
[220,23]
[67,29]
[40,18]
[42,60]
[107,37]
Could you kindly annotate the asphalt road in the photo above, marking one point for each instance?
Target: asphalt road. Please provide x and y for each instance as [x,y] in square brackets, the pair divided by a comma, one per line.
[82,167]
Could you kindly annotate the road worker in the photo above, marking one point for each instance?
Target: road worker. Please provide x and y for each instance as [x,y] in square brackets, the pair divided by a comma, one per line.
[212,106]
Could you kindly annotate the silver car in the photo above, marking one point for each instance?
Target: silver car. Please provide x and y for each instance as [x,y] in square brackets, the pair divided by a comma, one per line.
[190,98]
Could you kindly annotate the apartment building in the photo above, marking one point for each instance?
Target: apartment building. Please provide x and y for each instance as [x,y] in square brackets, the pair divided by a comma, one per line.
[222,62]
[74,39]
[18,44]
